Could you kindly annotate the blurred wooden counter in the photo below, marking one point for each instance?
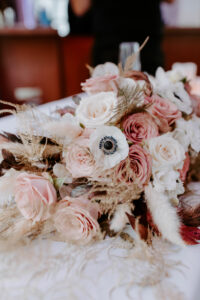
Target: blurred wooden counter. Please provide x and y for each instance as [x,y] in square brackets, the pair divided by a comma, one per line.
[40,58]
[181,45]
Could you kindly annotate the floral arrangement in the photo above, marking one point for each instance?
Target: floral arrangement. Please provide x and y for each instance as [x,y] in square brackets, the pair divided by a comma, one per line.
[127,152]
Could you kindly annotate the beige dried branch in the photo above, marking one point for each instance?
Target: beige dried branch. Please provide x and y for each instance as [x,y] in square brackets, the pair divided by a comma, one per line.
[129,101]
[90,69]
[132,58]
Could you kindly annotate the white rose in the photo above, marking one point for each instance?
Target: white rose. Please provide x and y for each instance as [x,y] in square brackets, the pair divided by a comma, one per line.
[96,110]
[166,152]
[105,69]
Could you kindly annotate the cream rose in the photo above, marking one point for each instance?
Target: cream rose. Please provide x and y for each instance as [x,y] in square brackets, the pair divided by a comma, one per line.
[166,152]
[76,220]
[96,110]
[34,196]
[78,158]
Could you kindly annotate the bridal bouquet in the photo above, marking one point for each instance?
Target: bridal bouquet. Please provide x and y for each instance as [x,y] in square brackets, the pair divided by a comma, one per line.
[126,154]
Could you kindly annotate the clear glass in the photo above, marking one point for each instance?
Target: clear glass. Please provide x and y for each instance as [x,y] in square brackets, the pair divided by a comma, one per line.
[125,50]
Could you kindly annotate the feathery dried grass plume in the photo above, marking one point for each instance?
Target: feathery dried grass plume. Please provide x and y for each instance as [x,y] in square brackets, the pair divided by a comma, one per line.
[27,150]
[109,191]
[130,100]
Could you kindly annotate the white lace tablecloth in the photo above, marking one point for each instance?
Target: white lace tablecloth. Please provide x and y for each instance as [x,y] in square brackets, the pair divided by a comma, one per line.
[57,271]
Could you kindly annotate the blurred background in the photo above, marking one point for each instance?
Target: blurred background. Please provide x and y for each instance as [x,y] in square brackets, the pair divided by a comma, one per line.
[44,46]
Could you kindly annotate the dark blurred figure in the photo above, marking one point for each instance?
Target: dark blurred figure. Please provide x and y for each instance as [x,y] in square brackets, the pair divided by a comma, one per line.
[80,25]
[116,21]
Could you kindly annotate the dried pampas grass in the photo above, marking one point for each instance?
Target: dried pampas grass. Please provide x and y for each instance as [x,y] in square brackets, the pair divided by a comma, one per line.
[164,215]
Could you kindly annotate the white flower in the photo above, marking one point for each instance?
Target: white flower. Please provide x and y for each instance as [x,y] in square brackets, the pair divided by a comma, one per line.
[60,171]
[194,133]
[96,110]
[172,90]
[166,152]
[188,70]
[105,69]
[180,133]
[188,133]
[109,146]
[165,179]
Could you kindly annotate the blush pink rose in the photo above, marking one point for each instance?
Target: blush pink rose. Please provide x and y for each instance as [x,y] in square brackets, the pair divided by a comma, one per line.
[34,196]
[164,111]
[139,127]
[186,166]
[76,220]
[140,163]
[137,168]
[78,158]
[106,83]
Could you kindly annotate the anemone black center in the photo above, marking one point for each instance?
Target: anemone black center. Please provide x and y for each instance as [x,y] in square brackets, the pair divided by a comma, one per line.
[108,145]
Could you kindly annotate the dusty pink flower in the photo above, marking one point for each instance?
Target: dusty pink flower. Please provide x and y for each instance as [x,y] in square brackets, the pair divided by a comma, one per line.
[78,158]
[164,111]
[139,127]
[104,83]
[76,220]
[185,169]
[34,196]
[140,163]
[137,168]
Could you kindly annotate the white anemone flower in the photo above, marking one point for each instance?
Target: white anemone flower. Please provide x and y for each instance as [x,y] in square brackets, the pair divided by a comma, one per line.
[108,146]
[173,90]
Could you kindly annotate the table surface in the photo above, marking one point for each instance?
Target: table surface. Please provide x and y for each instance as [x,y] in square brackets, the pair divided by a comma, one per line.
[46,271]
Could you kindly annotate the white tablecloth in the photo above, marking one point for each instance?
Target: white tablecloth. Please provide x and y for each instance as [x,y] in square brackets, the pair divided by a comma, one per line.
[44,270]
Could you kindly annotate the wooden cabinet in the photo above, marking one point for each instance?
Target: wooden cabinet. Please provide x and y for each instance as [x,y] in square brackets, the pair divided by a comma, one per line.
[30,58]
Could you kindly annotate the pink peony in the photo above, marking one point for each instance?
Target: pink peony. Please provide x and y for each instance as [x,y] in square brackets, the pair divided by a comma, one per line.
[104,83]
[185,169]
[78,158]
[140,163]
[76,220]
[139,127]
[164,111]
[34,196]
